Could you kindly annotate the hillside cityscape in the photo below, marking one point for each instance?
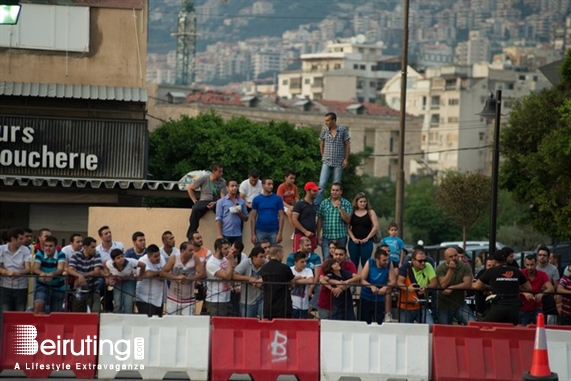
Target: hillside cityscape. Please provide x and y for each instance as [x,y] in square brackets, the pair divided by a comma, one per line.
[240,40]
[288,60]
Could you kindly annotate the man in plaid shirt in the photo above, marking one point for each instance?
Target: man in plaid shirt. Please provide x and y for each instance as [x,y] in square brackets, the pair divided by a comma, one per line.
[335,149]
[333,216]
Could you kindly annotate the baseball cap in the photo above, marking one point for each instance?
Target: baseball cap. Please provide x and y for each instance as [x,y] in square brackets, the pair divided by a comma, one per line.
[500,256]
[310,185]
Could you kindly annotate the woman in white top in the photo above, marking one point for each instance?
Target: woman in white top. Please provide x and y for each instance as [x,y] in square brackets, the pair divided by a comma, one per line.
[123,281]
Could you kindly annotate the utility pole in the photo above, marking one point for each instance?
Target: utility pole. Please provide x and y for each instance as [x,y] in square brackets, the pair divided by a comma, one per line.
[399,210]
[185,44]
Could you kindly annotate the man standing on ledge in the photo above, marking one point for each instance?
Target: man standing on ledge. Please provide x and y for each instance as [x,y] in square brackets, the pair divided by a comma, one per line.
[335,148]
[212,188]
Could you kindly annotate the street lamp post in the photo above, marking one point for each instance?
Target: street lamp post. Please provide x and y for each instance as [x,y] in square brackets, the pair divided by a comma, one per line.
[399,210]
[493,110]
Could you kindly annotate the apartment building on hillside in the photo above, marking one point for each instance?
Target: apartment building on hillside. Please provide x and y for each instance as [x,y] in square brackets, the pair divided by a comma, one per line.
[448,98]
[348,70]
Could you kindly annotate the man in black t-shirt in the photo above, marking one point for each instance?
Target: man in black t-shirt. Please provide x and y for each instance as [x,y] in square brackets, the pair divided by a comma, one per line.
[505,282]
[304,217]
[276,277]
[510,260]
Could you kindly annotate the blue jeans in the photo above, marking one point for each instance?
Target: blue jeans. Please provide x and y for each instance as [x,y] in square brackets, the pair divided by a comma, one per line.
[343,313]
[123,297]
[252,310]
[422,315]
[325,245]
[372,311]
[529,317]
[324,313]
[299,314]
[13,299]
[50,297]
[362,251]
[269,236]
[463,314]
[324,178]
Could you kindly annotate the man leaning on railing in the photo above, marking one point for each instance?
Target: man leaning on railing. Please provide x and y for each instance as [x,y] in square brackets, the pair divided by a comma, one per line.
[86,267]
[49,265]
[14,262]
[414,279]
[505,283]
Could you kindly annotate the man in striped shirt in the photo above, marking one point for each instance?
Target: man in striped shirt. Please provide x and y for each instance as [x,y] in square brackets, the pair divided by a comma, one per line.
[49,266]
[86,267]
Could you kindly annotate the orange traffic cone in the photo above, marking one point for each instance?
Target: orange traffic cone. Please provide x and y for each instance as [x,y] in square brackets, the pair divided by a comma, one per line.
[540,362]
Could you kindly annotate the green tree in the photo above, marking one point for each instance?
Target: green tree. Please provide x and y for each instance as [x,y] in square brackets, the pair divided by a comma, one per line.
[382,193]
[179,146]
[537,151]
[523,236]
[423,218]
[465,198]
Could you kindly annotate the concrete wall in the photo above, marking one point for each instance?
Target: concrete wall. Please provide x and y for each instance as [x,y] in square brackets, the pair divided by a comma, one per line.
[113,58]
[154,221]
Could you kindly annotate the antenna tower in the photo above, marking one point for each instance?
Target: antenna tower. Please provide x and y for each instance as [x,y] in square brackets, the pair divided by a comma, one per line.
[185,44]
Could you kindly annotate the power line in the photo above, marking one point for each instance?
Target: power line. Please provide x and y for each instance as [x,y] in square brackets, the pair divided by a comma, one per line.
[157,118]
[429,152]
[333,18]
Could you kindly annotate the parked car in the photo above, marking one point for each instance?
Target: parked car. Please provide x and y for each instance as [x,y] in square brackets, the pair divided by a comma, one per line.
[499,245]
[437,252]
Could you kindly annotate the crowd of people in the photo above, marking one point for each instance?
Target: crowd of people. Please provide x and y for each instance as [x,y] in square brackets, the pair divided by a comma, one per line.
[358,275]
[100,275]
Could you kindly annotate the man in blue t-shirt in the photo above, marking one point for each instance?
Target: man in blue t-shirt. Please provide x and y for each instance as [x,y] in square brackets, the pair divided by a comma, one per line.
[49,265]
[313,259]
[267,215]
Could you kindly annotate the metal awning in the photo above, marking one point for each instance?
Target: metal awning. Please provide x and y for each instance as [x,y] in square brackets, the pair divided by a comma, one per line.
[53,182]
[55,90]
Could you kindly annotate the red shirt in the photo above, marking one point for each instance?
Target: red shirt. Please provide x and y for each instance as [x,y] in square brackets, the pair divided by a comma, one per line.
[565,282]
[536,285]
[288,193]
[324,300]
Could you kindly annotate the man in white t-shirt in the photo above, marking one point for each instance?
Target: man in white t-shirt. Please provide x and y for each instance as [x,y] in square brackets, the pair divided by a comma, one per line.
[75,246]
[219,270]
[14,261]
[303,278]
[169,245]
[151,288]
[104,249]
[251,187]
[121,270]
[107,244]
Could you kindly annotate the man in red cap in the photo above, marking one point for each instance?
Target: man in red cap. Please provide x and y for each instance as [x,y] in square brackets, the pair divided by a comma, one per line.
[304,217]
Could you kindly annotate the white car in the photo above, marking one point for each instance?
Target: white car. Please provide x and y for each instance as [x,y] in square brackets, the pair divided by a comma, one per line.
[499,245]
